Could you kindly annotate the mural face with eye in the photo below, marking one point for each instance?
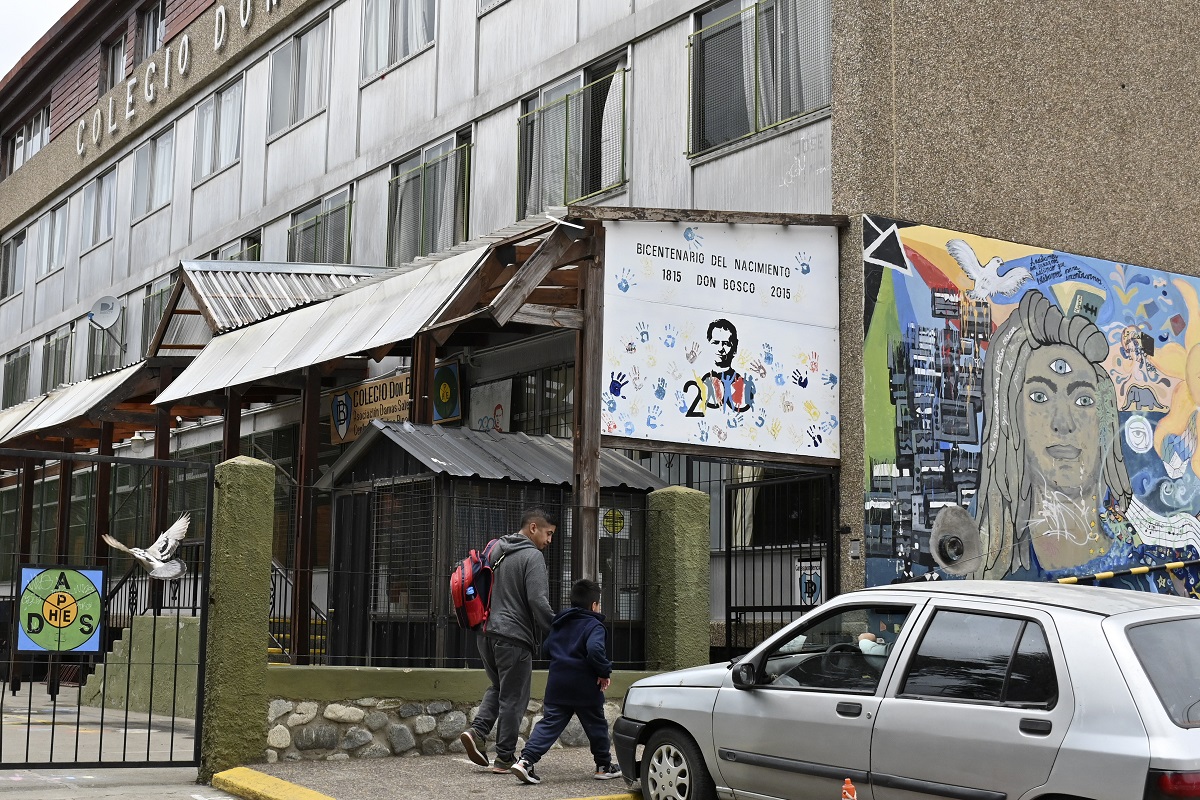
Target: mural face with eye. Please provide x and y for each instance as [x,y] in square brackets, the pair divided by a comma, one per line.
[1060,416]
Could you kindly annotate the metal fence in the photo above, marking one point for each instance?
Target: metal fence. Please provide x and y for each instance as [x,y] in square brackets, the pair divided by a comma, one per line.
[427,206]
[323,238]
[103,664]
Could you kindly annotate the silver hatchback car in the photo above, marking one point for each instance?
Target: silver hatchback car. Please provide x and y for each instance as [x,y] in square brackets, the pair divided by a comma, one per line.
[974,690]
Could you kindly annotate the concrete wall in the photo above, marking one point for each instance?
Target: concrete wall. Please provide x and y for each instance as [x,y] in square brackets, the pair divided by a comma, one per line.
[1062,125]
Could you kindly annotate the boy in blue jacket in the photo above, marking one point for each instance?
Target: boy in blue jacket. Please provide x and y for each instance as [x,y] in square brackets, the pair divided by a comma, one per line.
[579,673]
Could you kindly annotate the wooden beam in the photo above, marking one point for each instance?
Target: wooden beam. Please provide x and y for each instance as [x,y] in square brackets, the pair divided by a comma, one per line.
[702,215]
[530,275]
[231,428]
[553,296]
[160,330]
[306,476]
[577,253]
[563,276]
[102,494]
[585,555]
[550,316]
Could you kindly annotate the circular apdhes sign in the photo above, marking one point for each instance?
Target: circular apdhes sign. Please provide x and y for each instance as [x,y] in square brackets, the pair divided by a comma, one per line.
[60,609]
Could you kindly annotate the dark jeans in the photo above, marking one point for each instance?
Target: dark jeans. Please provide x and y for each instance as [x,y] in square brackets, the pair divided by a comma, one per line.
[510,669]
[554,722]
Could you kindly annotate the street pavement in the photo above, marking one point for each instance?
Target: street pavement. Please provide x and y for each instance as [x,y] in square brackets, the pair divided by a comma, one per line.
[109,783]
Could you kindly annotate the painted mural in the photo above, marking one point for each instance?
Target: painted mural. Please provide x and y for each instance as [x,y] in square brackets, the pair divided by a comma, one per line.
[1030,414]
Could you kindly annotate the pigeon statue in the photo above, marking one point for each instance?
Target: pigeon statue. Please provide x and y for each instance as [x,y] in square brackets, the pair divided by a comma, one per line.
[987,279]
[157,558]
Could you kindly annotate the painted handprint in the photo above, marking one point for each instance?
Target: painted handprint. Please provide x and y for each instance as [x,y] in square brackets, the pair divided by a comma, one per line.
[623,280]
[643,331]
[814,362]
[660,388]
[733,421]
[775,428]
[692,351]
[610,402]
[829,424]
[721,434]
[814,436]
[759,367]
[637,379]
[761,419]
[811,409]
[800,379]
[669,336]
[780,380]
[804,260]
[768,355]
[617,382]
[703,427]
[626,424]
[652,417]
[787,404]
[610,425]
[673,370]
[829,379]
[683,403]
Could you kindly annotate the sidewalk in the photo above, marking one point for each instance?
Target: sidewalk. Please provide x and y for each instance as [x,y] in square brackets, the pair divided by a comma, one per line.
[566,773]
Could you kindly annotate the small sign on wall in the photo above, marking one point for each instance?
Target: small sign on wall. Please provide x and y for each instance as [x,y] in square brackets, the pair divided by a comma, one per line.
[809,581]
[490,406]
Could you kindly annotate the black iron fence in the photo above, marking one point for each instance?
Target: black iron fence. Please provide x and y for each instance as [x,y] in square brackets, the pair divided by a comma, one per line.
[102,664]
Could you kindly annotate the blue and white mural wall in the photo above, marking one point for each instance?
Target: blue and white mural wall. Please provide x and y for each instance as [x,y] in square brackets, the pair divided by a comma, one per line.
[1030,414]
[722,335]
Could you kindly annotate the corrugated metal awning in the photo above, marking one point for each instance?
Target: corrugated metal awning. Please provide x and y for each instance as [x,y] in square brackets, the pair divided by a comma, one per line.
[377,313]
[496,456]
[12,416]
[70,402]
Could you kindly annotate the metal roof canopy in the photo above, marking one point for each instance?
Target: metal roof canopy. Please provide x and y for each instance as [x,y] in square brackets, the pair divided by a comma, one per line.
[467,453]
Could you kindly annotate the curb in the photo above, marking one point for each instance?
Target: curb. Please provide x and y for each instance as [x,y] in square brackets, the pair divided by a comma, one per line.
[625,796]
[253,785]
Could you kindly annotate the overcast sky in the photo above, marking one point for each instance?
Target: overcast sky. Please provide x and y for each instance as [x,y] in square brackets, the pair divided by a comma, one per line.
[24,24]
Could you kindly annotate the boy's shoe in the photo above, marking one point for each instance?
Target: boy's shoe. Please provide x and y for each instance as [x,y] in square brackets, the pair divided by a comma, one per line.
[476,747]
[524,772]
[502,766]
[607,773]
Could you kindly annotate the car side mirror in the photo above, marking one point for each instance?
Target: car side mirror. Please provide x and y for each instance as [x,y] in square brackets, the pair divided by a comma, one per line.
[745,675]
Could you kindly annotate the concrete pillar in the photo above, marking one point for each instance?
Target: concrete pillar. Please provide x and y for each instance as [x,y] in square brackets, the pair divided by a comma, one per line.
[677,579]
[235,665]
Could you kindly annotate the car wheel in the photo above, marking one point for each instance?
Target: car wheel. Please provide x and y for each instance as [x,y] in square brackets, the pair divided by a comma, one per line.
[673,768]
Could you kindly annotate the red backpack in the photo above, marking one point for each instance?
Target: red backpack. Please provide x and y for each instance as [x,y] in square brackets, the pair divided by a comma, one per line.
[471,585]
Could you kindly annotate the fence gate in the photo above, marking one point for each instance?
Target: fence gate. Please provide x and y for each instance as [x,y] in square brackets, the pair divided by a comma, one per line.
[780,554]
[102,664]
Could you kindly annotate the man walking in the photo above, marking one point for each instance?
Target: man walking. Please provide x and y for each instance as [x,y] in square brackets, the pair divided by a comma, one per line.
[520,613]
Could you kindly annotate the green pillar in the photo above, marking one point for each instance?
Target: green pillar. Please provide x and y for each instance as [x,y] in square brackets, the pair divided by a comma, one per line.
[677,579]
[235,668]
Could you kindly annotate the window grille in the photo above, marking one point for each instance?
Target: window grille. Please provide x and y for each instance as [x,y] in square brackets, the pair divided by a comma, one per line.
[106,347]
[320,237]
[154,306]
[56,359]
[403,574]
[16,376]
[573,147]
[543,401]
[758,67]
[427,205]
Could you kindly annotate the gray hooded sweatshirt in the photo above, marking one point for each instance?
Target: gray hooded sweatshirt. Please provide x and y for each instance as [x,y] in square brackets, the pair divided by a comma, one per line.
[520,610]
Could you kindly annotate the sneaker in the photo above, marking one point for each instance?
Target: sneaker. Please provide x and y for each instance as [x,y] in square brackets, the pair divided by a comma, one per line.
[502,766]
[607,773]
[476,747]
[524,772]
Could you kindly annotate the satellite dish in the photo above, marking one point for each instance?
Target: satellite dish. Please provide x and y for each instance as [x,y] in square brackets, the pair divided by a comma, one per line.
[105,312]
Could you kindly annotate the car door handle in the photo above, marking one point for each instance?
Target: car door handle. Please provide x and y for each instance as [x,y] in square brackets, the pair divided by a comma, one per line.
[1036,727]
[849,709]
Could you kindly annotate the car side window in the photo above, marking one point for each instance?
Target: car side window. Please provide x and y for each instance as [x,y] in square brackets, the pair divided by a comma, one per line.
[983,658]
[843,651]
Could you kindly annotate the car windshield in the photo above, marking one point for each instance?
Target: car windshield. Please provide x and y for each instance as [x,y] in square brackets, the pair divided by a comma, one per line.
[1170,654]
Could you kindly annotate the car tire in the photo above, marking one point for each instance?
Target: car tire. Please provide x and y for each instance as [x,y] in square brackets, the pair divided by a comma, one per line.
[673,768]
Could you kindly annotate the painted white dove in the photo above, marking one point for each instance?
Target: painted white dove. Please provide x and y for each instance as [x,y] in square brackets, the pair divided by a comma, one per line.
[987,279]
[157,558]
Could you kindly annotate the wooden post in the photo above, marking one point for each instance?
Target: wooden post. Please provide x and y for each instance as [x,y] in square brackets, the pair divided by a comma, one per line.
[62,530]
[585,556]
[102,492]
[159,493]
[231,431]
[423,367]
[306,476]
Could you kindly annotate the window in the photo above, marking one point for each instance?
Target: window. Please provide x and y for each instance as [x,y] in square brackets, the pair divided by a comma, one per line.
[1169,651]
[99,208]
[56,358]
[427,201]
[984,659]
[299,75]
[153,164]
[219,130]
[833,652]
[247,248]
[52,240]
[753,66]
[16,376]
[571,140]
[543,401]
[393,30]
[320,232]
[154,306]
[112,63]
[12,265]
[27,140]
[106,346]
[151,29]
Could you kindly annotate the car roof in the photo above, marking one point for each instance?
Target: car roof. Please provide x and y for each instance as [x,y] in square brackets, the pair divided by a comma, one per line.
[1092,599]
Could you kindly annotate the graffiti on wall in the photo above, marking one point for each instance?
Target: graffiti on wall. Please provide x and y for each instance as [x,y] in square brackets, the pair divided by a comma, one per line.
[1030,414]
